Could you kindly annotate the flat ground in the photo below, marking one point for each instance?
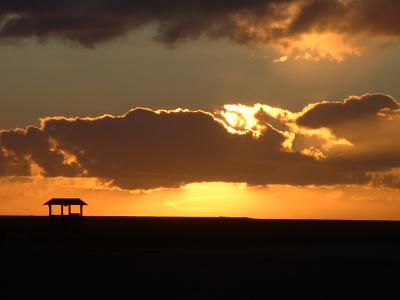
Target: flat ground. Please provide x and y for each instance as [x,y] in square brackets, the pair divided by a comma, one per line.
[198,258]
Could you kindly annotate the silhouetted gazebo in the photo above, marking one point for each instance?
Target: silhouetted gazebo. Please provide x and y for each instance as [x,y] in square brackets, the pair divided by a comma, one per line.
[66,202]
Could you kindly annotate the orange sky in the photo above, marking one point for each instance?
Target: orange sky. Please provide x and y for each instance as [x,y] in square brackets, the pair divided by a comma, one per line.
[332,160]
[265,109]
[205,199]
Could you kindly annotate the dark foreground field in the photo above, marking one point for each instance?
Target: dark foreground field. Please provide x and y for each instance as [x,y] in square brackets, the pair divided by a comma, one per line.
[198,258]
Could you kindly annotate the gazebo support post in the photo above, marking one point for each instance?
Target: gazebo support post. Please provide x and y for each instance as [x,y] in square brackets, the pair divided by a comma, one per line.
[81,210]
[62,209]
[50,214]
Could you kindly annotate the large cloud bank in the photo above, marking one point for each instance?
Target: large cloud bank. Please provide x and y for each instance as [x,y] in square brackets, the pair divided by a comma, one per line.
[355,141]
[90,22]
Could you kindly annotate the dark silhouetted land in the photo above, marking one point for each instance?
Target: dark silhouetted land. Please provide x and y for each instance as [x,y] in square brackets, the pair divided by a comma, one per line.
[198,258]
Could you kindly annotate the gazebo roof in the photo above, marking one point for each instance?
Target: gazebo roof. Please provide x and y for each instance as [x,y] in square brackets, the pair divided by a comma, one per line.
[65,201]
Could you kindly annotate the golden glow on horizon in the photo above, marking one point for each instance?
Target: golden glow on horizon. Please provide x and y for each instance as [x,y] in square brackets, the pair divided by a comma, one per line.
[25,196]
[212,198]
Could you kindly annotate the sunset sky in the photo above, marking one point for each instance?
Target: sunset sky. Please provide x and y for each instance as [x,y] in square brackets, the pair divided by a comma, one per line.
[258,108]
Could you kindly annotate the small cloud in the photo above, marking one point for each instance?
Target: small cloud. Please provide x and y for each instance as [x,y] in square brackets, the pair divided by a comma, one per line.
[281,59]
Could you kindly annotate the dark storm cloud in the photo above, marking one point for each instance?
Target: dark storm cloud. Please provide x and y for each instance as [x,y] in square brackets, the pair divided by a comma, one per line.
[330,114]
[89,22]
[145,149]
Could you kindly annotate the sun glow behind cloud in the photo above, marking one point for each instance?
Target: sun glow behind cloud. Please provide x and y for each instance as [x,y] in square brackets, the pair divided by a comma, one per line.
[311,45]
[318,46]
[242,119]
